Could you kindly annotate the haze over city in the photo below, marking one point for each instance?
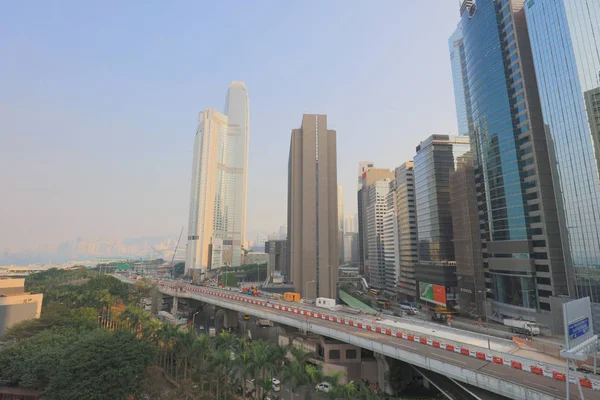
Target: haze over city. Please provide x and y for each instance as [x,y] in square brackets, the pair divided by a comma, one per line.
[99,111]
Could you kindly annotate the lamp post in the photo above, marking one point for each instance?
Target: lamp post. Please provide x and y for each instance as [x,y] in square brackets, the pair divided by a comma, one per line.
[194,321]
[306,285]
[487,324]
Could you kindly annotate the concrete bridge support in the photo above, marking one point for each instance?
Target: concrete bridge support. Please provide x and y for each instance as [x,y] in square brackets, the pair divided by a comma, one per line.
[231,319]
[383,368]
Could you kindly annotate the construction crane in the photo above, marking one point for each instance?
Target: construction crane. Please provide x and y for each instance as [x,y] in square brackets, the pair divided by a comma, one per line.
[175,252]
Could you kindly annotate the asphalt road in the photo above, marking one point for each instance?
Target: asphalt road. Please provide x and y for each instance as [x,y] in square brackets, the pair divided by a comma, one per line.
[543,384]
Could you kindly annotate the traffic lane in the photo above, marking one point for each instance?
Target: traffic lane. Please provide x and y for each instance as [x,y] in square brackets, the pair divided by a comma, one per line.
[543,384]
[538,382]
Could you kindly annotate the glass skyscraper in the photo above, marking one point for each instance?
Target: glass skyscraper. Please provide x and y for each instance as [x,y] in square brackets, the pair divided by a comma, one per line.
[457,57]
[521,244]
[565,42]
[217,221]
[434,162]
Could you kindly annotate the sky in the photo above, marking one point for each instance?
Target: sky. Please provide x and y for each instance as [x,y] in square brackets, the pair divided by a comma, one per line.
[99,102]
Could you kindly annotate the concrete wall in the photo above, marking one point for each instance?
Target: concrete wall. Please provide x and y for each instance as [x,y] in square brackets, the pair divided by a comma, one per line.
[15,313]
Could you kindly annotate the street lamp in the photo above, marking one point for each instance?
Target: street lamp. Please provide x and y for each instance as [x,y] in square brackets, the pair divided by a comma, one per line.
[487,324]
[194,321]
[306,286]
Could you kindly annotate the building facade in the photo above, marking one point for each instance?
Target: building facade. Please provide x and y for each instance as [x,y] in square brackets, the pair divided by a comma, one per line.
[217,218]
[390,238]
[457,59]
[368,174]
[350,224]
[564,37]
[434,162]
[277,252]
[377,206]
[406,214]
[16,305]
[467,238]
[313,208]
[340,199]
[521,243]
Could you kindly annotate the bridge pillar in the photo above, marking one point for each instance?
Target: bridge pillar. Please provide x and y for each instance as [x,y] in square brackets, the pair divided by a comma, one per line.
[383,368]
[174,309]
[231,319]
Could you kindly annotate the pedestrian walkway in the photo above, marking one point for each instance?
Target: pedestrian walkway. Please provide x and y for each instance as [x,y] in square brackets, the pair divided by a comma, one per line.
[354,302]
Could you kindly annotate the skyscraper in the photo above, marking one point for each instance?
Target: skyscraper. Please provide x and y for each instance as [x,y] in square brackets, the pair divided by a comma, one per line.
[340,205]
[350,224]
[521,243]
[467,237]
[434,162]
[565,45]
[377,206]
[313,208]
[217,222]
[367,175]
[406,214]
[457,59]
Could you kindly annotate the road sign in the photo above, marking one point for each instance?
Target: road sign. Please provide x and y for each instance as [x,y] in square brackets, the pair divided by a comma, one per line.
[579,328]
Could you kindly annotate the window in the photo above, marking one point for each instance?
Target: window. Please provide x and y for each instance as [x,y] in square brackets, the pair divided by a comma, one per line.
[350,354]
[334,354]
[544,281]
[545,306]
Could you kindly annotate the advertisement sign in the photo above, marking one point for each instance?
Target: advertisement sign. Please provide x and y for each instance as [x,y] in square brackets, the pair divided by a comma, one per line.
[432,293]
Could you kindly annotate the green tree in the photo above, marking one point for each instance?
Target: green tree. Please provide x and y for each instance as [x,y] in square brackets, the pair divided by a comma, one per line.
[229,279]
[100,366]
[179,269]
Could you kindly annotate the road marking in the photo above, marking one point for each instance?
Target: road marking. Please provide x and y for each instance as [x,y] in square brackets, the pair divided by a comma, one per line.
[448,358]
[528,382]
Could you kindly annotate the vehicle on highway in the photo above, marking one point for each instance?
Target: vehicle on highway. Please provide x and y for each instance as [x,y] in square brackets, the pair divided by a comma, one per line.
[409,308]
[374,292]
[323,387]
[246,317]
[522,326]
[275,385]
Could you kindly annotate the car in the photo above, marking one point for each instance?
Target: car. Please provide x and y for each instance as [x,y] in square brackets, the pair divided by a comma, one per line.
[323,387]
[275,385]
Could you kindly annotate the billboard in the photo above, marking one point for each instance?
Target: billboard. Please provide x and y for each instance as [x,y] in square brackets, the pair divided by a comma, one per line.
[432,293]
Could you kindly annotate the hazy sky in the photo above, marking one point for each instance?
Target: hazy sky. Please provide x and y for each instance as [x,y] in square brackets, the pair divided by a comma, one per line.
[99,102]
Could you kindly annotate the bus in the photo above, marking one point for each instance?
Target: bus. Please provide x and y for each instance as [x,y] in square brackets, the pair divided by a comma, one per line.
[374,292]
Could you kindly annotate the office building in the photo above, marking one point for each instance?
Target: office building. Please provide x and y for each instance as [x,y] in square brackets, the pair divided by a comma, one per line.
[16,305]
[313,208]
[406,214]
[217,221]
[277,252]
[391,258]
[367,175]
[566,54]
[435,271]
[521,243]
[377,206]
[340,199]
[457,60]
[350,224]
[467,238]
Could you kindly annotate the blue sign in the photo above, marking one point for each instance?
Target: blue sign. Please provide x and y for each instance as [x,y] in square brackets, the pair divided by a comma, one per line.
[579,328]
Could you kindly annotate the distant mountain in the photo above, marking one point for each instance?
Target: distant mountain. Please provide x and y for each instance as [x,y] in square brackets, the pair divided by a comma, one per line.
[81,248]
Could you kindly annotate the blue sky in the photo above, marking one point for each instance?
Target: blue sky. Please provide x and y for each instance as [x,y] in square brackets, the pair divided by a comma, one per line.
[99,102]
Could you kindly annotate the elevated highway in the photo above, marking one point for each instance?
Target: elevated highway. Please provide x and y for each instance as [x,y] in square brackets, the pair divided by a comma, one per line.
[494,371]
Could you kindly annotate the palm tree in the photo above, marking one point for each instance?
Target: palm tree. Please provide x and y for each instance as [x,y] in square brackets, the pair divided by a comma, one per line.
[364,392]
[339,390]
[315,376]
[295,374]
[200,353]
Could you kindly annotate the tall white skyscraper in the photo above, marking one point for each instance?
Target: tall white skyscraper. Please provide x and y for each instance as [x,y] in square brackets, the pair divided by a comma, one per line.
[217,224]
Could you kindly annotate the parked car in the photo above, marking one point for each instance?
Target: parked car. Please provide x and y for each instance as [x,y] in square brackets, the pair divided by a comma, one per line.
[323,387]
[275,385]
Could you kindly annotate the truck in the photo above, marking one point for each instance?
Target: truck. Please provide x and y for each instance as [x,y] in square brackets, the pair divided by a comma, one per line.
[291,296]
[263,322]
[522,326]
[251,291]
